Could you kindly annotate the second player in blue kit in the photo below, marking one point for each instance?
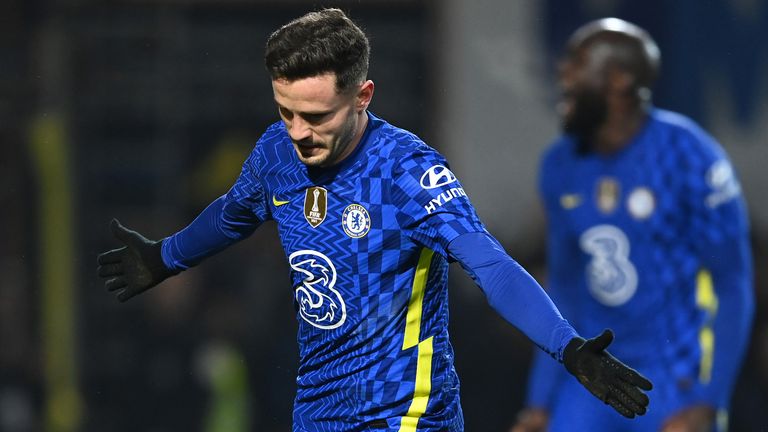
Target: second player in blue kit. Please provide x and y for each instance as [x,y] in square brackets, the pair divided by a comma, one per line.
[647,235]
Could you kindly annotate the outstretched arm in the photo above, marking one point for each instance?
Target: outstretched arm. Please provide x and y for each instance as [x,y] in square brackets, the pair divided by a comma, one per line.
[223,223]
[546,376]
[512,292]
[517,297]
[142,263]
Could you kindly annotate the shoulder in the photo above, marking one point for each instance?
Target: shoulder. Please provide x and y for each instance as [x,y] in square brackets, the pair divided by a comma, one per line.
[416,161]
[694,146]
[675,121]
[691,136]
[397,141]
[274,135]
[273,148]
[556,162]
[706,169]
[404,152]
[559,153]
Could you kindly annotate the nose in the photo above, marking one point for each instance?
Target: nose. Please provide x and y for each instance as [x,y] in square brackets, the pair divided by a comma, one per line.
[298,129]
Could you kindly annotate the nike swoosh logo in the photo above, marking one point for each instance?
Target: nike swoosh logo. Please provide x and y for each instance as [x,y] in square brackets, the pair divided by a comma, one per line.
[278,203]
[570,201]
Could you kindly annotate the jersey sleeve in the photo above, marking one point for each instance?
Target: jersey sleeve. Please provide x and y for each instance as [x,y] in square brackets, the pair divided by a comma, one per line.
[433,208]
[562,258]
[719,231]
[227,220]
[513,292]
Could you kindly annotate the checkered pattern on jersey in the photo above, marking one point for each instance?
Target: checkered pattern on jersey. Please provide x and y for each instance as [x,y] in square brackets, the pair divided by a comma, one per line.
[672,256]
[390,382]
[359,371]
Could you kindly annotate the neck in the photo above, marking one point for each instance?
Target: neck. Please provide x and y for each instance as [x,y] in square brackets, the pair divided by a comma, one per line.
[362,123]
[619,129]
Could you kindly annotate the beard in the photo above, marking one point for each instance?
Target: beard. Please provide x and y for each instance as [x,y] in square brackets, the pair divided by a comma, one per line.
[328,151]
[311,153]
[588,113]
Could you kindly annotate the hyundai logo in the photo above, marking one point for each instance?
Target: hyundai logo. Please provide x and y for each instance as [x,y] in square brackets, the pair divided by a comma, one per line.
[437,176]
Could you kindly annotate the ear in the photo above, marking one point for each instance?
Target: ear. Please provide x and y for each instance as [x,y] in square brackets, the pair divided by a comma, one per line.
[364,96]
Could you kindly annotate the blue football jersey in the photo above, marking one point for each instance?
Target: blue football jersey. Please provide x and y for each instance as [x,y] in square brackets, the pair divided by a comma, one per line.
[629,237]
[366,242]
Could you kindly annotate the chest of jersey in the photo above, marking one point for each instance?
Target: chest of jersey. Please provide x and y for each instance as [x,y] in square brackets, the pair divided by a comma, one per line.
[638,192]
[341,239]
[334,215]
[627,218]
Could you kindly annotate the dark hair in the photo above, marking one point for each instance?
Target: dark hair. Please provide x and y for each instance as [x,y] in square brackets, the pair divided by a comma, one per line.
[316,43]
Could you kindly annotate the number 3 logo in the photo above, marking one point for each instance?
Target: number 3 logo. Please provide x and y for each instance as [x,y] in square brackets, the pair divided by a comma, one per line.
[611,277]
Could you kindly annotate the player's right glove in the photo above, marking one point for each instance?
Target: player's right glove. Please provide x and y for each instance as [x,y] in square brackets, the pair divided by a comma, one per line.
[134,268]
[605,376]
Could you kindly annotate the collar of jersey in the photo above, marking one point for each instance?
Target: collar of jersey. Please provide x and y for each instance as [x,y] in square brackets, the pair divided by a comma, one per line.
[636,141]
[630,147]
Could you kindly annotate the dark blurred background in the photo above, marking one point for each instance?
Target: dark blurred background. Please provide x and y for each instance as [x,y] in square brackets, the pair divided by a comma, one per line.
[145,110]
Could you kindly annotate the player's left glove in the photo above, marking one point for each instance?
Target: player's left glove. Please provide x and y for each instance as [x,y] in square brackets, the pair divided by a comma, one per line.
[605,376]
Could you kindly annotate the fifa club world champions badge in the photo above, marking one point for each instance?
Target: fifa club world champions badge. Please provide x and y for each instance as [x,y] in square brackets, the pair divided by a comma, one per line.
[315,205]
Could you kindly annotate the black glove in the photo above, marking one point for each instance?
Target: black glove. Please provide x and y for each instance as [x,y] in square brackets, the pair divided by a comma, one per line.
[134,268]
[605,376]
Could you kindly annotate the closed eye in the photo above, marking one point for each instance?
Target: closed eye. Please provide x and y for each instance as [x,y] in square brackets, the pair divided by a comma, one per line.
[311,118]
[315,118]
[285,113]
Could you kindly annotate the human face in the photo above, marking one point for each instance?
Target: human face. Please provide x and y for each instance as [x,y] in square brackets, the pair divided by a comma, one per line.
[583,106]
[324,125]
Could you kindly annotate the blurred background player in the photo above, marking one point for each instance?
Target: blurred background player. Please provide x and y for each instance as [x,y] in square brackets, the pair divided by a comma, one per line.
[648,235]
[368,216]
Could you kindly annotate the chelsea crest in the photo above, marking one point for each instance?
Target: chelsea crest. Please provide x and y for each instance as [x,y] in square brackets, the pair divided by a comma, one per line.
[356,221]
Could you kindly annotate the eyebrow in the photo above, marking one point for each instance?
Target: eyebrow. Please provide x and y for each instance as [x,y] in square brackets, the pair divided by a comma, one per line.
[305,113]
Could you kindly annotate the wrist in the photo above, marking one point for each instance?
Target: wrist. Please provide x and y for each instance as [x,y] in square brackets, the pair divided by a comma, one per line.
[570,350]
[155,262]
